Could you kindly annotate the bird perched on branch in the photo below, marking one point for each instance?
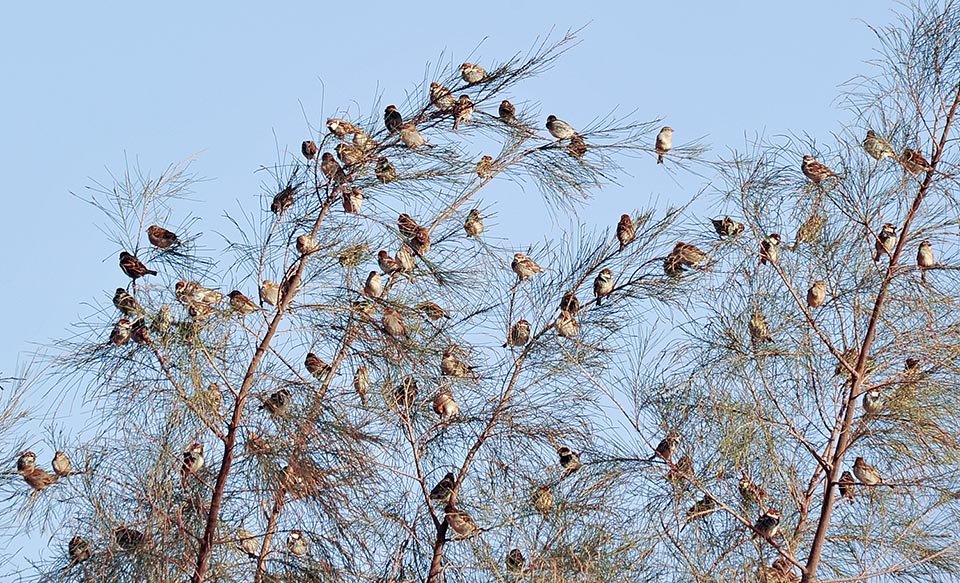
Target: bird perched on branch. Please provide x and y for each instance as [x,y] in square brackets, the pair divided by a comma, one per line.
[283,200]
[461,522]
[340,127]
[78,549]
[924,259]
[192,462]
[727,227]
[770,249]
[309,149]
[817,294]
[507,111]
[463,111]
[816,171]
[385,171]
[524,267]
[515,561]
[133,267]
[768,524]
[445,405]
[914,162]
[886,241]
[444,489]
[877,147]
[392,118]
[472,73]
[667,447]
[126,303]
[473,225]
[559,128]
[519,334]
[603,284]
[161,238]
[569,460]
[242,304]
[61,464]
[866,473]
[441,97]
[664,142]
[759,329]
[626,231]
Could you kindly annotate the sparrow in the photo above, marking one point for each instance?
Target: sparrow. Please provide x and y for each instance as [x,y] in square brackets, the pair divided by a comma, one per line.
[484,167]
[515,561]
[727,227]
[577,147]
[393,323]
[559,128]
[667,447]
[340,127]
[121,332]
[851,356]
[248,543]
[129,539]
[519,334]
[392,118]
[687,254]
[348,154]
[407,225]
[866,473]
[463,112]
[308,149]
[445,405]
[681,471]
[61,464]
[139,332]
[569,302]
[759,329]
[331,169]
[133,267]
[441,97]
[444,489]
[873,402]
[770,249]
[297,543]
[410,137]
[307,245]
[192,292]
[924,259]
[269,292]
[473,226]
[749,491]
[507,111]
[385,171]
[461,522]
[405,258]
[126,303]
[567,326]
[352,199]
[809,231]
[420,243]
[160,237]
[450,365]
[768,524]
[702,507]
[877,147]
[603,284]
[192,462]
[361,383]
[569,460]
[524,267]
[886,241]
[816,171]
[316,367]
[162,322]
[78,550]
[472,73]
[283,200]
[26,461]
[781,571]
[374,285]
[664,142]
[846,485]
[817,294]
[38,479]
[406,391]
[388,265]
[432,311]
[626,231]
[276,403]
[364,142]
[542,499]
[914,162]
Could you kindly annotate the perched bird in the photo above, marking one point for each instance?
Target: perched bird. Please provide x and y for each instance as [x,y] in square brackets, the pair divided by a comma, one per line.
[269,292]
[473,226]
[340,127]
[817,294]
[129,539]
[667,447]
[914,161]
[393,323]
[374,285]
[603,284]
[163,321]
[133,267]
[121,332]
[139,332]
[160,237]
[331,169]
[542,499]
[687,254]
[846,485]
[407,225]
[431,310]
[388,265]
[577,147]
[441,97]
[559,128]
[519,334]
[569,302]
[248,543]
[626,231]
[126,303]
[569,459]
[461,522]
[385,171]
[242,304]
[361,383]
[524,267]
[352,199]
[405,258]
[866,473]
[770,249]
[38,479]
[420,242]
[702,507]
[61,464]
[768,524]
[410,137]
[444,489]
[515,561]
[507,111]
[750,491]
[308,149]
[664,142]
[886,241]
[192,462]
[78,549]
[316,367]
[566,325]
[851,356]
[307,245]
[816,171]
[450,365]
[924,259]
[27,461]
[485,167]
[283,200]
[727,227]
[192,292]
[276,403]
[392,118]
[463,112]
[297,543]
[810,230]
[759,329]
[364,142]
[682,471]
[877,147]
[445,405]
[873,401]
[349,154]
[472,73]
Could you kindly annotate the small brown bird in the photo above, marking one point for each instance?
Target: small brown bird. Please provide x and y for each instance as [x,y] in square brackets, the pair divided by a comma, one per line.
[524,267]
[873,402]
[507,111]
[577,147]
[569,302]
[410,137]
[405,258]
[388,265]
[192,292]
[681,472]
[405,393]
[702,507]
[770,249]
[276,403]
[444,489]
[129,539]
[192,462]
[877,147]
[126,303]
[432,311]
[667,447]
[361,383]
[566,325]
[374,285]
[810,230]
[26,461]
[515,561]
[393,323]
[759,329]
[450,365]
[316,367]
[542,499]
[61,464]
[340,127]
[750,491]
[352,199]
[39,479]
[924,259]
[727,227]
[768,524]
[472,73]
[242,304]
[559,128]
[914,162]
[687,254]
[385,171]
[392,118]
[248,543]
[866,473]
[816,171]
[461,522]
[283,200]
[269,292]
[463,112]
[160,237]
[817,294]
[473,226]
[307,245]
[485,167]
[445,405]
[626,231]
[308,149]
[297,543]
[569,459]
[846,484]
[407,225]
[133,267]
[163,321]
[139,332]
[420,243]
[519,334]
[441,97]
[349,154]
[603,284]
[664,142]
[121,332]
[331,168]
[886,241]
[364,142]
[78,550]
